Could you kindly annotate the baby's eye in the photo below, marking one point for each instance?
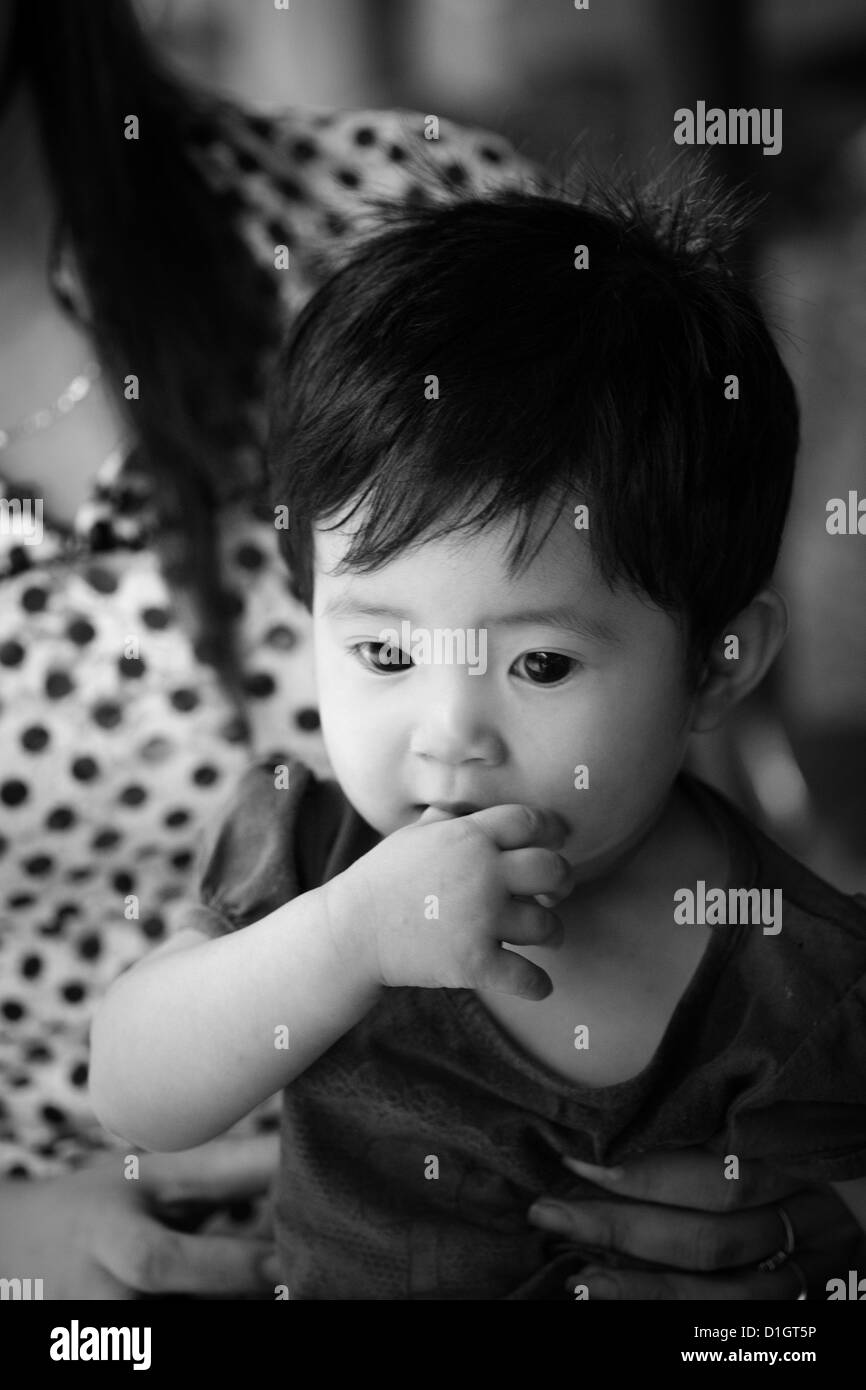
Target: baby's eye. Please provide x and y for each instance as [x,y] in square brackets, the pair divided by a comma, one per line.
[381,657]
[546,668]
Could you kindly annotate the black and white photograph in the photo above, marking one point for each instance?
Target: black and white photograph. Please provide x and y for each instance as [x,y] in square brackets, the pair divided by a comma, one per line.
[433,665]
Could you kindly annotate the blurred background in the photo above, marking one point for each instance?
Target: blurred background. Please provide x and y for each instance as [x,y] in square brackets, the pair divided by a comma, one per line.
[552,77]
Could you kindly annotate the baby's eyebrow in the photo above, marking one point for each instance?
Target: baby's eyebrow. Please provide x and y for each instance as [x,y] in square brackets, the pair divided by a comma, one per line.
[566,617]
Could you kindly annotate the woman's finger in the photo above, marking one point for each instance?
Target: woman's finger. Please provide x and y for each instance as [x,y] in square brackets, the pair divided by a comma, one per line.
[689,1178]
[148,1257]
[783,1284]
[213,1172]
[697,1240]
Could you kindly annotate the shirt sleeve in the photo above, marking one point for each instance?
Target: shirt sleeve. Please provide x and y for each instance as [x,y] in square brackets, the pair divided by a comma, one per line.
[246,863]
[810,1119]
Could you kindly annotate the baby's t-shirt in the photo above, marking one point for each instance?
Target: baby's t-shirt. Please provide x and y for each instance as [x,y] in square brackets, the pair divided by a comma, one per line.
[414,1146]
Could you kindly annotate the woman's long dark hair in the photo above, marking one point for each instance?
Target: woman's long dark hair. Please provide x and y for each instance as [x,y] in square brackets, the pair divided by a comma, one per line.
[175,293]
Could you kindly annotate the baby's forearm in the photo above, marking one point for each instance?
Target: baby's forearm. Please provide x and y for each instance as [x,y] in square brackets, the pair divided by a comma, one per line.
[193,1038]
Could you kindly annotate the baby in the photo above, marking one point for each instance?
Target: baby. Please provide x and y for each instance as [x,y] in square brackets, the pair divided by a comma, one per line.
[535,457]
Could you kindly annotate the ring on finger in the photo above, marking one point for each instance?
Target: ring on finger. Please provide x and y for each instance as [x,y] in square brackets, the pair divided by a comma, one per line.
[781,1256]
[804,1284]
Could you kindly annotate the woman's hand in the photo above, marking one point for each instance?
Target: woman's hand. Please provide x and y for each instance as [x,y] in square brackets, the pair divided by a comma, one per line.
[95,1234]
[708,1231]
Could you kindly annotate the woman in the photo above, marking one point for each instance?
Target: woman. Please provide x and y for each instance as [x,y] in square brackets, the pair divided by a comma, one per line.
[156,241]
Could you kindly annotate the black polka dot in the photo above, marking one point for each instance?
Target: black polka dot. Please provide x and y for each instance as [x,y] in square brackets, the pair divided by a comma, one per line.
[235,730]
[259,685]
[20,900]
[249,557]
[11,653]
[53,1115]
[133,795]
[131,666]
[78,875]
[101,535]
[78,1075]
[35,738]
[90,946]
[106,839]
[4,845]
[455,173]
[205,776]
[307,719]
[184,700]
[153,928]
[31,966]
[279,234]
[232,603]
[182,859]
[176,818]
[107,714]
[334,224]
[397,153]
[365,135]
[84,769]
[81,632]
[348,178]
[280,637]
[13,792]
[247,161]
[101,579]
[39,865]
[12,1010]
[156,618]
[57,684]
[262,125]
[303,150]
[290,189]
[73,992]
[490,154]
[34,599]
[123,883]
[19,558]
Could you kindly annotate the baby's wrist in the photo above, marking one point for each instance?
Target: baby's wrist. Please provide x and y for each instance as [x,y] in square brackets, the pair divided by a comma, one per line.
[351,931]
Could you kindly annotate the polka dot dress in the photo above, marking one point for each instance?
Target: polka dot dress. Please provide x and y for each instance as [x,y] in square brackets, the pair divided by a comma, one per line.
[117,744]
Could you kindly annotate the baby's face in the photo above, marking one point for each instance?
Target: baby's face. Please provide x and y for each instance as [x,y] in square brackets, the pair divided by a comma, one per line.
[575,676]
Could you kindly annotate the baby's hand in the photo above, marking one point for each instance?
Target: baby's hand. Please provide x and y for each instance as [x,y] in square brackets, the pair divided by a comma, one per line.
[432,903]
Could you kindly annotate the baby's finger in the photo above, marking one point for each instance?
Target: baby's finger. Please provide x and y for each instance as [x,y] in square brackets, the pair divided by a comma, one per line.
[511,973]
[528,872]
[689,1178]
[516,826]
[527,924]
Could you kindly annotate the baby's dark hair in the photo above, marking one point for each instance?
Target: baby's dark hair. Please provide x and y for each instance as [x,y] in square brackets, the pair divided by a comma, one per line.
[609,385]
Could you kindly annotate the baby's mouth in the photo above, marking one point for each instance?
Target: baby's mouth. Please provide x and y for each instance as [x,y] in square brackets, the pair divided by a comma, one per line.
[453,808]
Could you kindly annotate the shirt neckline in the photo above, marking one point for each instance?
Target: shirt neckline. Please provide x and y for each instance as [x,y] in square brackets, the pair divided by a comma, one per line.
[723,942]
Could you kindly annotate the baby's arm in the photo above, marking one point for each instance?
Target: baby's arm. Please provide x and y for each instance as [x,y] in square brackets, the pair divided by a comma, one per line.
[184,1043]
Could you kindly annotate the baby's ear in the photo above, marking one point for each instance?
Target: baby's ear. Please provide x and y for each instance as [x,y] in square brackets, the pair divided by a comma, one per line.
[740,657]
